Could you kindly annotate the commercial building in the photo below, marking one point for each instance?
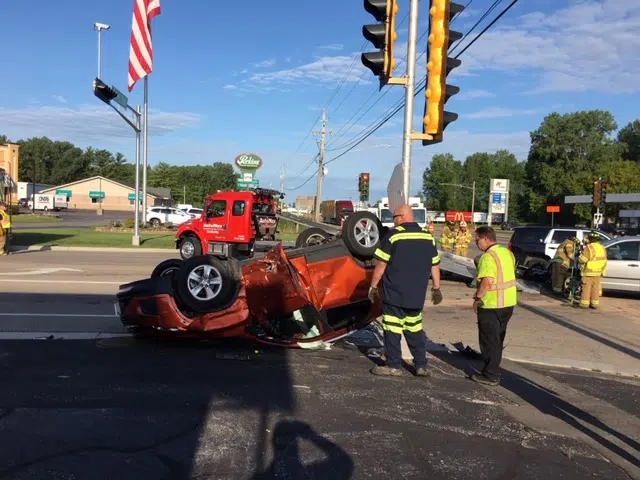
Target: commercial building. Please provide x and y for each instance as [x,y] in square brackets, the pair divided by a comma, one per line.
[305,204]
[101,193]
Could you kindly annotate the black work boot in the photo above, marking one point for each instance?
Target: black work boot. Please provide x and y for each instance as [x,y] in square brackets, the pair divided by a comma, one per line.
[484,380]
[422,372]
[386,371]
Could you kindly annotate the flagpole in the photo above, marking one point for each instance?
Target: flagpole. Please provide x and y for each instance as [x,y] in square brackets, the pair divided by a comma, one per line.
[146,149]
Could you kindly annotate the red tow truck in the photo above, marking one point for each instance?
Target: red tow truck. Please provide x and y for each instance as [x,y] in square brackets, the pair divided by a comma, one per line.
[230,224]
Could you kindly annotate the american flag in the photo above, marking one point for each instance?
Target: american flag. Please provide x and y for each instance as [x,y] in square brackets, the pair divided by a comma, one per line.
[141,53]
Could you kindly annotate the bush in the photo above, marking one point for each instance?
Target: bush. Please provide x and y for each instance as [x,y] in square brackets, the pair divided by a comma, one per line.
[13,210]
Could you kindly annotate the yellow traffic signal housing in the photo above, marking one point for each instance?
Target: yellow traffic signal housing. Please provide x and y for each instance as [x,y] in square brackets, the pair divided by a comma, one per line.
[439,65]
[383,36]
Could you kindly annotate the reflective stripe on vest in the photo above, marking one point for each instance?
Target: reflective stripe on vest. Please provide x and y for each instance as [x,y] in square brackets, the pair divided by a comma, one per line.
[595,262]
[502,293]
[5,220]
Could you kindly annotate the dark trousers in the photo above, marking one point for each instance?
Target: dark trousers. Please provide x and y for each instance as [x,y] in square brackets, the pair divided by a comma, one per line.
[492,328]
[397,321]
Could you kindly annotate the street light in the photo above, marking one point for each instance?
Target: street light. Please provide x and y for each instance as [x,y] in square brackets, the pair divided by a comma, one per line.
[99,27]
[473,198]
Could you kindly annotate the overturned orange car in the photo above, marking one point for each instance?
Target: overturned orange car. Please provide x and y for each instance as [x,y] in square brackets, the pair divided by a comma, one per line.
[292,297]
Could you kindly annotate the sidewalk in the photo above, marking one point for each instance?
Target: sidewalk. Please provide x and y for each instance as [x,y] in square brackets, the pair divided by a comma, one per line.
[545,331]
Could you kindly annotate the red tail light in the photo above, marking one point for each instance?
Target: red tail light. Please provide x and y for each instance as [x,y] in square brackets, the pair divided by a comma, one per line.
[509,246]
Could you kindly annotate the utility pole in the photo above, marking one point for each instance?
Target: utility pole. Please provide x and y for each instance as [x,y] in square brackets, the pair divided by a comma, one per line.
[323,134]
[282,178]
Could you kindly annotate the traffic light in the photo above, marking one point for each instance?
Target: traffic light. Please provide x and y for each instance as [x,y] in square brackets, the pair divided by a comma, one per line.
[603,193]
[103,92]
[363,187]
[596,193]
[439,65]
[383,35]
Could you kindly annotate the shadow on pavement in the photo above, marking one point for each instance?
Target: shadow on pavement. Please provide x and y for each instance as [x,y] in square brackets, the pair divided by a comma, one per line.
[86,409]
[550,402]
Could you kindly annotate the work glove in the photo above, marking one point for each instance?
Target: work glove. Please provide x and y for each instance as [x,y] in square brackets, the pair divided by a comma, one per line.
[436,296]
[373,291]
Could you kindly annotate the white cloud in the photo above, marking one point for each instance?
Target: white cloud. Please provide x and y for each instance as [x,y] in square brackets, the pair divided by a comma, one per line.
[265,63]
[287,59]
[230,87]
[59,98]
[86,124]
[587,46]
[500,112]
[333,47]
[473,94]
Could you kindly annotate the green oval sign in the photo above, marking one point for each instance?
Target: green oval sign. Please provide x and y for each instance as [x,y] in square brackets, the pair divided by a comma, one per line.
[248,161]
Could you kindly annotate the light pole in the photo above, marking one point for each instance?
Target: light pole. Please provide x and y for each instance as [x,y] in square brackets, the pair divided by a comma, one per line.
[99,27]
[473,198]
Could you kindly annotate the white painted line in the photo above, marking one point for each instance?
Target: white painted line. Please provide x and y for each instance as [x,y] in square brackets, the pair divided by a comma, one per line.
[78,315]
[42,271]
[43,282]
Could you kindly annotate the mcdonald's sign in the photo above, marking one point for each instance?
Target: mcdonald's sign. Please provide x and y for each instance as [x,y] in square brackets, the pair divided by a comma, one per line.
[459,216]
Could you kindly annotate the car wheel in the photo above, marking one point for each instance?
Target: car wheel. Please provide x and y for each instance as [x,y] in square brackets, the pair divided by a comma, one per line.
[168,267]
[190,247]
[207,283]
[530,263]
[312,236]
[154,222]
[362,234]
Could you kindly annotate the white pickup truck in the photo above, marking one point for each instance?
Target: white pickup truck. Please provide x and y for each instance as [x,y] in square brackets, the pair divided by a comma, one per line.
[49,202]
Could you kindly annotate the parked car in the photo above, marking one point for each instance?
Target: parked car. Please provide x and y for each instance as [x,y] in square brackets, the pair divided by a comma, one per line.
[610,229]
[289,298]
[157,216]
[538,244]
[623,264]
[194,212]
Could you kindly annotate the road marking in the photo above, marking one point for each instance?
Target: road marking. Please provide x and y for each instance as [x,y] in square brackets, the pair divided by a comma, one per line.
[78,315]
[42,271]
[43,282]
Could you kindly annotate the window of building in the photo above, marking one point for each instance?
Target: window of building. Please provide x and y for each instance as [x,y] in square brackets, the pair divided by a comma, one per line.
[238,208]
[216,209]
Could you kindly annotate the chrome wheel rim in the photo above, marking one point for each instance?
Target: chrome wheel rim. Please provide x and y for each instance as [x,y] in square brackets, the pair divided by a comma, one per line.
[187,249]
[204,282]
[366,232]
[315,239]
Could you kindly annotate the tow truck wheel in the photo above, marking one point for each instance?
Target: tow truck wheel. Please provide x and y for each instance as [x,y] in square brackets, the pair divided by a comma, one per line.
[190,247]
[362,234]
[312,236]
[168,267]
[208,284]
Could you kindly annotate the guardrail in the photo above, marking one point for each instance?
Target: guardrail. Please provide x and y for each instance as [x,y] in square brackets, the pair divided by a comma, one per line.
[310,223]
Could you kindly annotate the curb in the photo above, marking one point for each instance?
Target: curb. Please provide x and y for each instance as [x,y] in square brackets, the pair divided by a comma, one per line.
[53,248]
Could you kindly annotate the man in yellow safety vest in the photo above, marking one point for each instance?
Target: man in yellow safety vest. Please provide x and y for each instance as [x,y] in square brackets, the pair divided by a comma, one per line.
[593,262]
[5,225]
[463,239]
[561,263]
[446,238]
[494,302]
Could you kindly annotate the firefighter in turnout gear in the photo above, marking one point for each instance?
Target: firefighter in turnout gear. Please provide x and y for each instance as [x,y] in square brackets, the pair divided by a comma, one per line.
[463,239]
[561,264]
[406,260]
[494,302]
[5,226]
[593,262]
[447,237]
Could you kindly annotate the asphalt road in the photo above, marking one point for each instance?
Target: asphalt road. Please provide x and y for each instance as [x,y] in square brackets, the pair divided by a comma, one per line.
[89,402]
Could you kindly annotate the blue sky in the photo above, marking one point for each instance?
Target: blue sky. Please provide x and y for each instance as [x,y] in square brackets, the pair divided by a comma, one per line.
[236,77]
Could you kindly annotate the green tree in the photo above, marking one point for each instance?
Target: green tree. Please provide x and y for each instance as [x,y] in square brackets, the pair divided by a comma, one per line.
[629,137]
[443,169]
[565,153]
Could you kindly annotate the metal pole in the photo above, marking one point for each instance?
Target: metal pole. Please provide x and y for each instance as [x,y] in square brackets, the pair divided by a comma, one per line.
[409,92]
[136,229]
[33,190]
[473,203]
[320,166]
[146,149]
[99,52]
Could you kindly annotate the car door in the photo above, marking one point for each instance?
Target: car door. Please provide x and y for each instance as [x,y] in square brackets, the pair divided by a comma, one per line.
[216,218]
[557,237]
[623,266]
[240,222]
[179,216]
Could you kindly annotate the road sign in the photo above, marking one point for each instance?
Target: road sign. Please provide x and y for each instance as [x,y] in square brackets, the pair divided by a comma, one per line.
[247,185]
[132,196]
[499,185]
[96,194]
[66,193]
[120,98]
[247,177]
[497,198]
[498,208]
[553,208]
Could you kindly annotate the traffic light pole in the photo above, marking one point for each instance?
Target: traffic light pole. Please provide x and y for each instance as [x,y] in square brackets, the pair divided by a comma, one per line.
[407,134]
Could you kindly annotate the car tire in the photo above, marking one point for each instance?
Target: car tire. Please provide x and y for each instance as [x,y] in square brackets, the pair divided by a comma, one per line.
[154,222]
[362,234]
[168,267]
[312,236]
[534,261]
[190,247]
[220,280]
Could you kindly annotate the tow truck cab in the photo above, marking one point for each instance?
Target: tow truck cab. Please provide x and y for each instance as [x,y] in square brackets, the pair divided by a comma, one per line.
[230,224]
